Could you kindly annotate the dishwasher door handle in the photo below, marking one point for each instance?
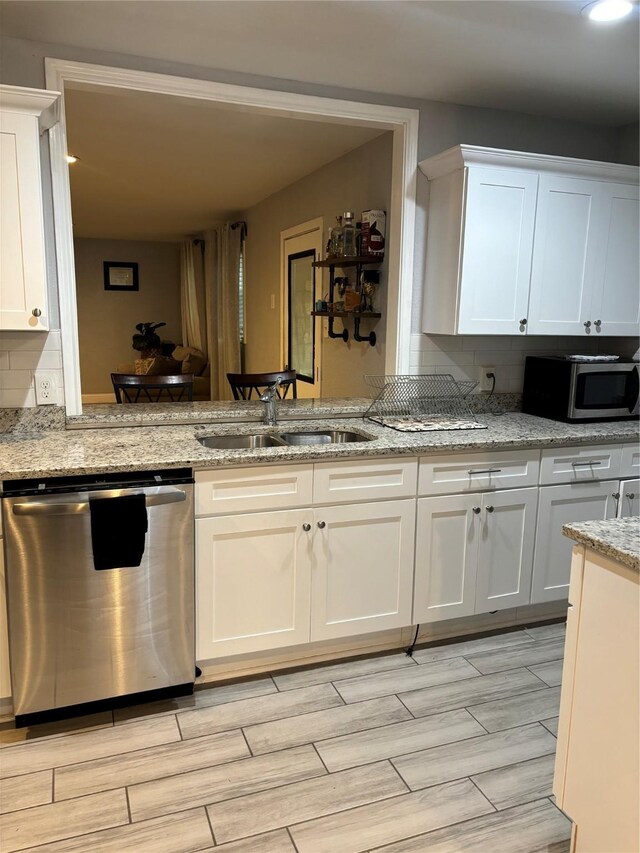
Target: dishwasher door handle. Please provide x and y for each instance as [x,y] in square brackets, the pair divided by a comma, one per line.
[81,507]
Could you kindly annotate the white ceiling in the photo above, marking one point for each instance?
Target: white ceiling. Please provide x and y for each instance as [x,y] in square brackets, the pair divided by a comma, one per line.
[157,167]
[536,56]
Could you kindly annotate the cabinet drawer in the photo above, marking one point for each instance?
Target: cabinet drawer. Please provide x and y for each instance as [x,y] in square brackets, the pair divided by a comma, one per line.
[630,460]
[344,482]
[579,464]
[471,472]
[251,489]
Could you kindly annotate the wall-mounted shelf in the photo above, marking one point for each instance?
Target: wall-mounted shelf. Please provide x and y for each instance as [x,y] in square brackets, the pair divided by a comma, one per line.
[357,261]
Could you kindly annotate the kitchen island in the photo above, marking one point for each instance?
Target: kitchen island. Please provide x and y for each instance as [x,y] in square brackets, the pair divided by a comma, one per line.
[597,775]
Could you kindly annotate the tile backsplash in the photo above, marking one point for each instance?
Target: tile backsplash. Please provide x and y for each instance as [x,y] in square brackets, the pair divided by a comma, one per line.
[462,356]
[21,354]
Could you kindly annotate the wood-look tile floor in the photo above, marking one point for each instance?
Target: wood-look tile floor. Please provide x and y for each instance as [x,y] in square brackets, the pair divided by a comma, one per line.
[446,752]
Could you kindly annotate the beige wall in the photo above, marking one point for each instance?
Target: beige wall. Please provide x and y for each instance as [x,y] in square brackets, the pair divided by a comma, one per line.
[360,180]
[107,319]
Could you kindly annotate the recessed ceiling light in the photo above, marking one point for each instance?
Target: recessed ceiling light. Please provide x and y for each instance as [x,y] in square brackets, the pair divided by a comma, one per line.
[608,10]
[71,158]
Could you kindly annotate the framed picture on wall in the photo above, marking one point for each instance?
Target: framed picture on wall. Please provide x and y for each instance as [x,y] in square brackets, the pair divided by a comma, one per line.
[120,275]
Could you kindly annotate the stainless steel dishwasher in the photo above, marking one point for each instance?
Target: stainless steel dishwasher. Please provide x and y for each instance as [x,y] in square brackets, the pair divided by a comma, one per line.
[92,622]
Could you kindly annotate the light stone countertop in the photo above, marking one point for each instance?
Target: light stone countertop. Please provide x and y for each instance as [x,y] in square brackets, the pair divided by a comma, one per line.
[617,538]
[71,452]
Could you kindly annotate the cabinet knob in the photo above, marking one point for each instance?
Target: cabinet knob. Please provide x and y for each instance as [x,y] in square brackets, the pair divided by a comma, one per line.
[631,495]
[523,322]
[36,312]
[597,324]
[490,508]
[306,527]
[615,495]
[476,510]
[322,524]
[587,324]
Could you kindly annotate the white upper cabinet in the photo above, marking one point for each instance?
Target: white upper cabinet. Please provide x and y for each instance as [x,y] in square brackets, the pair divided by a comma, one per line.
[530,244]
[615,308]
[23,279]
[565,256]
[496,250]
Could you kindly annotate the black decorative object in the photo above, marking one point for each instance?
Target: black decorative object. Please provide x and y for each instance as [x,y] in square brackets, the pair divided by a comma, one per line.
[146,341]
[120,275]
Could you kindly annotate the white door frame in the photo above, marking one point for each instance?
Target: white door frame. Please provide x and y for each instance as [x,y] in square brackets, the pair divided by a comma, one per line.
[400,243]
[300,230]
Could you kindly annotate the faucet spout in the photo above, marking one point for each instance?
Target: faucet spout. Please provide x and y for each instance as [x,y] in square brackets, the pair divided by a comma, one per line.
[268,397]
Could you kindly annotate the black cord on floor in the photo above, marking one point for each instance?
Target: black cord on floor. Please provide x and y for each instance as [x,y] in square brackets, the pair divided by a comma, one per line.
[411,648]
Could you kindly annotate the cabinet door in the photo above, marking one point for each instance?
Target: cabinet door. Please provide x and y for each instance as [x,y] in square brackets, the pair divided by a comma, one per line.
[560,505]
[616,300]
[505,555]
[362,573]
[497,245]
[23,283]
[253,575]
[565,256]
[629,503]
[446,557]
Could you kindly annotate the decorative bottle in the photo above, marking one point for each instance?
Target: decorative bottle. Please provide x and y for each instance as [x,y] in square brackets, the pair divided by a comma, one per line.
[337,249]
[348,234]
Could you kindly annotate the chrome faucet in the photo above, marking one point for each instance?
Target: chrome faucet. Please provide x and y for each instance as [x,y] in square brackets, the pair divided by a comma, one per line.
[268,397]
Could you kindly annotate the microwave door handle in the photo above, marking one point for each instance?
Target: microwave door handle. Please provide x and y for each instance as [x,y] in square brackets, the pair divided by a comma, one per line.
[82,507]
[632,392]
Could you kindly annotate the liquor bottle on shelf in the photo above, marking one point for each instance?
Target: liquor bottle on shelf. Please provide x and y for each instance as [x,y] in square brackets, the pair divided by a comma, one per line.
[348,234]
[337,239]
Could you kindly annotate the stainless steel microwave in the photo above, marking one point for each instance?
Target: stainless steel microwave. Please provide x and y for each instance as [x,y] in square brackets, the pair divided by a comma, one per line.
[570,390]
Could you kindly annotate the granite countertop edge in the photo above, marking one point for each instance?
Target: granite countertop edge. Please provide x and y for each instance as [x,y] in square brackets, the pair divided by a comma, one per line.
[616,538]
[74,452]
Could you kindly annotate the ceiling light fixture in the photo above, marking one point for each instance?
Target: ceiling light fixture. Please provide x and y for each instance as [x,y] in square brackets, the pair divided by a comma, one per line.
[608,10]
[71,158]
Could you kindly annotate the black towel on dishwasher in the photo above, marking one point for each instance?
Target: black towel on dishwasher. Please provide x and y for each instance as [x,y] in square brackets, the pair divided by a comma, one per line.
[118,529]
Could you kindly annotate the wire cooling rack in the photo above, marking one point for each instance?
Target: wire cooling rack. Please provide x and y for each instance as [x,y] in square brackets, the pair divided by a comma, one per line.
[422,403]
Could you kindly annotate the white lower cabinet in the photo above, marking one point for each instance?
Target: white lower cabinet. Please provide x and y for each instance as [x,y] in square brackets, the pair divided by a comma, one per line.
[505,560]
[362,577]
[253,582]
[266,580]
[474,553]
[629,503]
[558,505]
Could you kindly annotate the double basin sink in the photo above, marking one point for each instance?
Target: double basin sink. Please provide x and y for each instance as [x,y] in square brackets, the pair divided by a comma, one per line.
[281,439]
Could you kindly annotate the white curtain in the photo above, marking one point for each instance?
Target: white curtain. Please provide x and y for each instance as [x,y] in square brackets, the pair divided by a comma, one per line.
[192,295]
[223,245]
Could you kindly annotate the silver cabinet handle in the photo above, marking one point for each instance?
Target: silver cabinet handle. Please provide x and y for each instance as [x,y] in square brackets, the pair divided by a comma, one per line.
[485,471]
[587,324]
[322,524]
[36,312]
[597,324]
[306,527]
[82,507]
[490,508]
[476,510]
[580,464]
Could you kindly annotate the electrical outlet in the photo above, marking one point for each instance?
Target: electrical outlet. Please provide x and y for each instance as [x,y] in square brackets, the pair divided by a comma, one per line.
[487,378]
[46,382]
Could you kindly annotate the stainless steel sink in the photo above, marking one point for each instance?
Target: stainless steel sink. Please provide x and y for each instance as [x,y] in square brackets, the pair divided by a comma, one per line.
[331,436]
[282,439]
[240,442]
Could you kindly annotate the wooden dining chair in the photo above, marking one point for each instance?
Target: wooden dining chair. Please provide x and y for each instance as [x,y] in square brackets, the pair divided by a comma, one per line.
[243,385]
[135,388]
